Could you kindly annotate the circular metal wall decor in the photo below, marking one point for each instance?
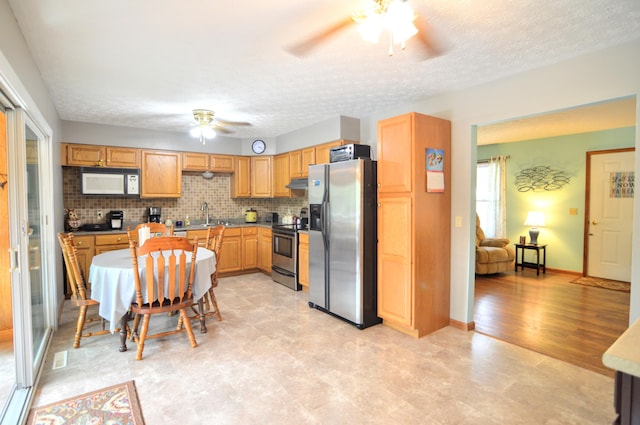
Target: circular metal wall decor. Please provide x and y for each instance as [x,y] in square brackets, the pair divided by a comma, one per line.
[540,178]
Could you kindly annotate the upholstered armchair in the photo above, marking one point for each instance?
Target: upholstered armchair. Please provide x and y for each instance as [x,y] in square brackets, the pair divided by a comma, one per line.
[493,255]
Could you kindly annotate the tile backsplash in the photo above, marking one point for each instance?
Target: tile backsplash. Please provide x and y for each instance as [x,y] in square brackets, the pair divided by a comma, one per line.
[195,191]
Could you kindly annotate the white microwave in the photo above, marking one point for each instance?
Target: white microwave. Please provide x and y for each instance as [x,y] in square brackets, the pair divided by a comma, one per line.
[110,181]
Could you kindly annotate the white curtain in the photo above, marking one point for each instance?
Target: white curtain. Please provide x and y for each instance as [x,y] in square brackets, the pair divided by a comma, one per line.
[497,206]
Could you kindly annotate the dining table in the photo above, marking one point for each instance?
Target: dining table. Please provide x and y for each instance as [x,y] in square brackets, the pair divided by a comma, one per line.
[111,276]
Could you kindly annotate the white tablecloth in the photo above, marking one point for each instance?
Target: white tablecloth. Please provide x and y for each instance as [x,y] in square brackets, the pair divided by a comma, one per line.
[112,281]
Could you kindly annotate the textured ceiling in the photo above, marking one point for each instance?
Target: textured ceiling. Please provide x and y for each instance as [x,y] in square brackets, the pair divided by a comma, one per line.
[149,63]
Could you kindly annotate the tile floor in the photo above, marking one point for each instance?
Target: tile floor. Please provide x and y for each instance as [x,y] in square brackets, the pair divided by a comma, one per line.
[273,360]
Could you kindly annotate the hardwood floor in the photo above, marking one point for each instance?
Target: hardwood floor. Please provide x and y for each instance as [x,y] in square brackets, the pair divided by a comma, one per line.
[549,315]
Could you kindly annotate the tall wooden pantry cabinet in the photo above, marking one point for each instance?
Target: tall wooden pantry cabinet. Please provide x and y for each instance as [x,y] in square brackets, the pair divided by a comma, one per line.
[414,223]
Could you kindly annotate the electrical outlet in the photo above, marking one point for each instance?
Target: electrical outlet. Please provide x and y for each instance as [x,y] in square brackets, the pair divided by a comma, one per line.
[100,214]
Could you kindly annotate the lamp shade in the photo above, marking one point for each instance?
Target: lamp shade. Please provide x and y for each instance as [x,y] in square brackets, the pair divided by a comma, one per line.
[534,219]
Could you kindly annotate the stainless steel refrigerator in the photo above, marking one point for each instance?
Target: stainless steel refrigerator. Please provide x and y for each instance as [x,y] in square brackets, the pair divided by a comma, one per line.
[343,240]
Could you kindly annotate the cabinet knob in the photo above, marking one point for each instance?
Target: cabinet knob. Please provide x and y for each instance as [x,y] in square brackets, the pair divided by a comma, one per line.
[379,205]
[119,239]
[79,242]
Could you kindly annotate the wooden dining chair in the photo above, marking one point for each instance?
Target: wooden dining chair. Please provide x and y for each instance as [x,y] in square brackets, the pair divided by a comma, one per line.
[209,301]
[80,296]
[154,229]
[166,281]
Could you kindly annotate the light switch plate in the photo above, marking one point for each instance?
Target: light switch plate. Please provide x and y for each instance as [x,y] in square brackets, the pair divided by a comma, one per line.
[458,221]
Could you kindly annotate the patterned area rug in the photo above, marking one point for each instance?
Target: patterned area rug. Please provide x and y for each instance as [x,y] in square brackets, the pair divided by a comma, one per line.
[116,405]
[615,285]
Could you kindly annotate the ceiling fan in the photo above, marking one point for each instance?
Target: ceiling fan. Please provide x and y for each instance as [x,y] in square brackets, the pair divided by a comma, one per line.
[396,17]
[206,128]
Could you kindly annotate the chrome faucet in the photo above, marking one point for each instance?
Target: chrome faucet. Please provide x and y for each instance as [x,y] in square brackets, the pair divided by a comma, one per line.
[205,207]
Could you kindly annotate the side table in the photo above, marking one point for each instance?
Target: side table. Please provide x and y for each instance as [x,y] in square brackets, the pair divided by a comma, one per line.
[522,264]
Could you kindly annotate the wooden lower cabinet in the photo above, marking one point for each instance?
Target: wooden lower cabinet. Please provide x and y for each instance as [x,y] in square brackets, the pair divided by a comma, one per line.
[265,249]
[394,260]
[249,248]
[111,242]
[231,251]
[200,233]
[303,260]
[85,247]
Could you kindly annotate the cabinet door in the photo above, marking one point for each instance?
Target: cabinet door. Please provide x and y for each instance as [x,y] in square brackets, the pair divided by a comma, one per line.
[241,178]
[221,163]
[395,137]
[261,177]
[123,157]
[308,158]
[303,259]
[195,161]
[264,249]
[395,259]
[85,247]
[295,163]
[281,176]
[161,174]
[85,155]
[249,248]
[230,251]
[322,151]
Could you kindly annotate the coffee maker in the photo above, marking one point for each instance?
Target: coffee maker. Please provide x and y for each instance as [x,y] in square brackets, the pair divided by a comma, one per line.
[115,219]
[154,214]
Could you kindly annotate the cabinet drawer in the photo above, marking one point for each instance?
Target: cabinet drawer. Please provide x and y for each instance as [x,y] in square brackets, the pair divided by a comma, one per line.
[247,231]
[264,233]
[83,241]
[233,231]
[119,238]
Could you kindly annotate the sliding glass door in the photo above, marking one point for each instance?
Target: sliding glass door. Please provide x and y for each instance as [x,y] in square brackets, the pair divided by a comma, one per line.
[30,255]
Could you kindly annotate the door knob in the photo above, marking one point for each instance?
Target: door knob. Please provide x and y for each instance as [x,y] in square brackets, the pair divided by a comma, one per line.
[594,222]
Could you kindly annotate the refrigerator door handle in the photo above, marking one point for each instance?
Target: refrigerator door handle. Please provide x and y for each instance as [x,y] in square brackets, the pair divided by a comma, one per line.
[325,224]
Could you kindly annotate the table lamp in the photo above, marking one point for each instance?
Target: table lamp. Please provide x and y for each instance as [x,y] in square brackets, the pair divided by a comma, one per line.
[534,219]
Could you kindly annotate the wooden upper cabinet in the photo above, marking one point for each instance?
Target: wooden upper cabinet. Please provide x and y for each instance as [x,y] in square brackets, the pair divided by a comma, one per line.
[161,174]
[241,179]
[123,157]
[192,161]
[261,177]
[300,160]
[281,176]
[221,163]
[84,155]
[100,156]
[395,154]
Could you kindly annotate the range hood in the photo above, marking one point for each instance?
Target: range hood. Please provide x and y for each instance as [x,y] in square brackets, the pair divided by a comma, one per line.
[302,183]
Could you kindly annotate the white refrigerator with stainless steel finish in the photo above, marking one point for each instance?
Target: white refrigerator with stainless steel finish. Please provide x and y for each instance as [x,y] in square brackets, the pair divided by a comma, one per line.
[343,240]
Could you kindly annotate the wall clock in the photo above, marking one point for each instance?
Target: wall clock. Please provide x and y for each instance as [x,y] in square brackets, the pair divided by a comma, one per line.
[258,146]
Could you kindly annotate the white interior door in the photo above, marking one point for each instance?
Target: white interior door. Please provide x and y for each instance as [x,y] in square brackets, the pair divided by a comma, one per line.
[611,189]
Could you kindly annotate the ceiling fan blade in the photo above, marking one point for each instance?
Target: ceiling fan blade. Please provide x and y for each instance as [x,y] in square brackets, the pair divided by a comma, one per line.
[220,129]
[425,38]
[244,123]
[305,47]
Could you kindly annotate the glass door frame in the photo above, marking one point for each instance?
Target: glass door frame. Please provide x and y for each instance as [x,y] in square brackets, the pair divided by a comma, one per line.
[29,359]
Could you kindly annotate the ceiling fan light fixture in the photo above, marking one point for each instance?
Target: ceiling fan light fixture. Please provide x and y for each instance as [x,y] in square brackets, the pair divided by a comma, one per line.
[399,21]
[203,129]
[395,16]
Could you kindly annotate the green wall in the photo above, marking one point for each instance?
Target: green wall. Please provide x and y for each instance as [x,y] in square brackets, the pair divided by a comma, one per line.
[562,232]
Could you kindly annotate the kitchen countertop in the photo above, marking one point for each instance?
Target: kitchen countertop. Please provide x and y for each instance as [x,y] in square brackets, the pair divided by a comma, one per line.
[624,353]
[195,226]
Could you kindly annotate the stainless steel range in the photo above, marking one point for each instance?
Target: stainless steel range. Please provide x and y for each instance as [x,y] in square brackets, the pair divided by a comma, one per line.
[284,263]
